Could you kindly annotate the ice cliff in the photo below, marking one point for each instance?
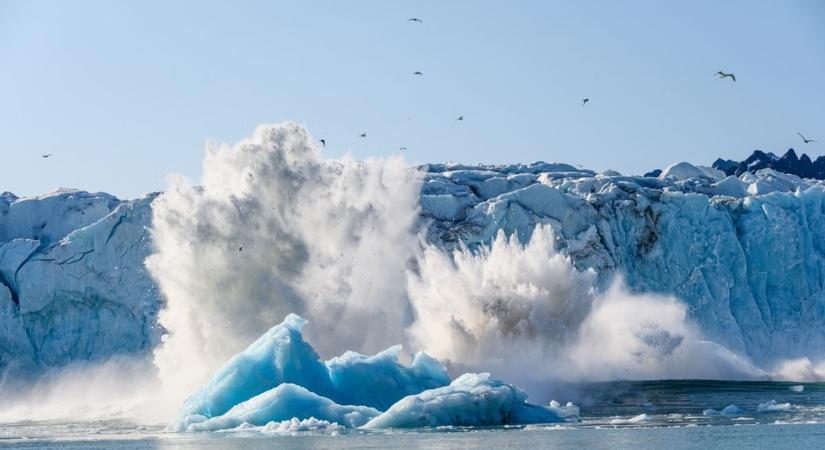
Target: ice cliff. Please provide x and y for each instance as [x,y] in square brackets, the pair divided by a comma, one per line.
[744,253]
[72,282]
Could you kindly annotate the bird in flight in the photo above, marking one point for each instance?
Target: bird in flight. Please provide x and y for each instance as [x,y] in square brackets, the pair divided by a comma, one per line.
[804,139]
[414,19]
[363,134]
[402,148]
[46,155]
[460,118]
[240,249]
[323,142]
[723,75]
[584,101]
[418,73]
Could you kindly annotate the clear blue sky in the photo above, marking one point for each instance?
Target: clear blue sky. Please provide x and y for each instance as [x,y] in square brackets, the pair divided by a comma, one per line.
[123,94]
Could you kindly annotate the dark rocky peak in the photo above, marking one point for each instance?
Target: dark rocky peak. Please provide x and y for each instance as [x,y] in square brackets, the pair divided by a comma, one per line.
[790,163]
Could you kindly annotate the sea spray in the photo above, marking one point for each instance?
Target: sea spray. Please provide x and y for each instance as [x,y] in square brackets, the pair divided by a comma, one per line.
[274,229]
[526,313]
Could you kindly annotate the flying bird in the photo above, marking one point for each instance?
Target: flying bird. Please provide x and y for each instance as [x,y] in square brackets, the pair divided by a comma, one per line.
[46,155]
[240,249]
[402,148]
[418,73]
[584,101]
[414,19]
[723,75]
[460,118]
[363,134]
[323,142]
[804,139]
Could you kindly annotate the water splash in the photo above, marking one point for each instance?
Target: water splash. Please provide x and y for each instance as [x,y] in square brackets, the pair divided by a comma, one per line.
[525,312]
[275,229]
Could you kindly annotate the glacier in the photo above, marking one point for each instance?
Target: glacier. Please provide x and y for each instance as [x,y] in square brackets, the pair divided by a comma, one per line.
[743,253]
[72,282]
[280,377]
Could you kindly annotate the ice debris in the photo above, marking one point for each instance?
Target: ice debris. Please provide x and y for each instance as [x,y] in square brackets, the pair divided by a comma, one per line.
[281,378]
[772,407]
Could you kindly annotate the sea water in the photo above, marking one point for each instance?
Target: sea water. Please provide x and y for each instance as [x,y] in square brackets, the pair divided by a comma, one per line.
[615,415]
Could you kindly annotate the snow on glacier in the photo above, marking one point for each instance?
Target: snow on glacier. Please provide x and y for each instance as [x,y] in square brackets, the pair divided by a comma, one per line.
[279,377]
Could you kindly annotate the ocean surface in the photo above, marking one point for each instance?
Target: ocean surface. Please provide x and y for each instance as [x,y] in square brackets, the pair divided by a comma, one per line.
[616,415]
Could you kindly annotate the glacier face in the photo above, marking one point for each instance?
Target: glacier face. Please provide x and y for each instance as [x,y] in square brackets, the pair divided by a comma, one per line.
[72,282]
[744,253]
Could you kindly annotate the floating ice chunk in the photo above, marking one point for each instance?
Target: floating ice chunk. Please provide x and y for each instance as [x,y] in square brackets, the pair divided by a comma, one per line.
[470,400]
[772,406]
[285,402]
[730,410]
[279,356]
[282,356]
[568,411]
[797,388]
[379,381]
[556,427]
[294,425]
[641,418]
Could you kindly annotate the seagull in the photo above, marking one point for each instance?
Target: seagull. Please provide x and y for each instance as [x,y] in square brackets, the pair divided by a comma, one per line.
[584,101]
[460,118]
[363,134]
[414,19]
[323,141]
[46,155]
[723,75]
[805,140]
[418,73]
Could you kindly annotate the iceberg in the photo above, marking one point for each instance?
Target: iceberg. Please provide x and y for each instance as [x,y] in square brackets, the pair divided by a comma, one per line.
[279,379]
[281,356]
[472,399]
[285,402]
[641,418]
[730,410]
[773,407]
